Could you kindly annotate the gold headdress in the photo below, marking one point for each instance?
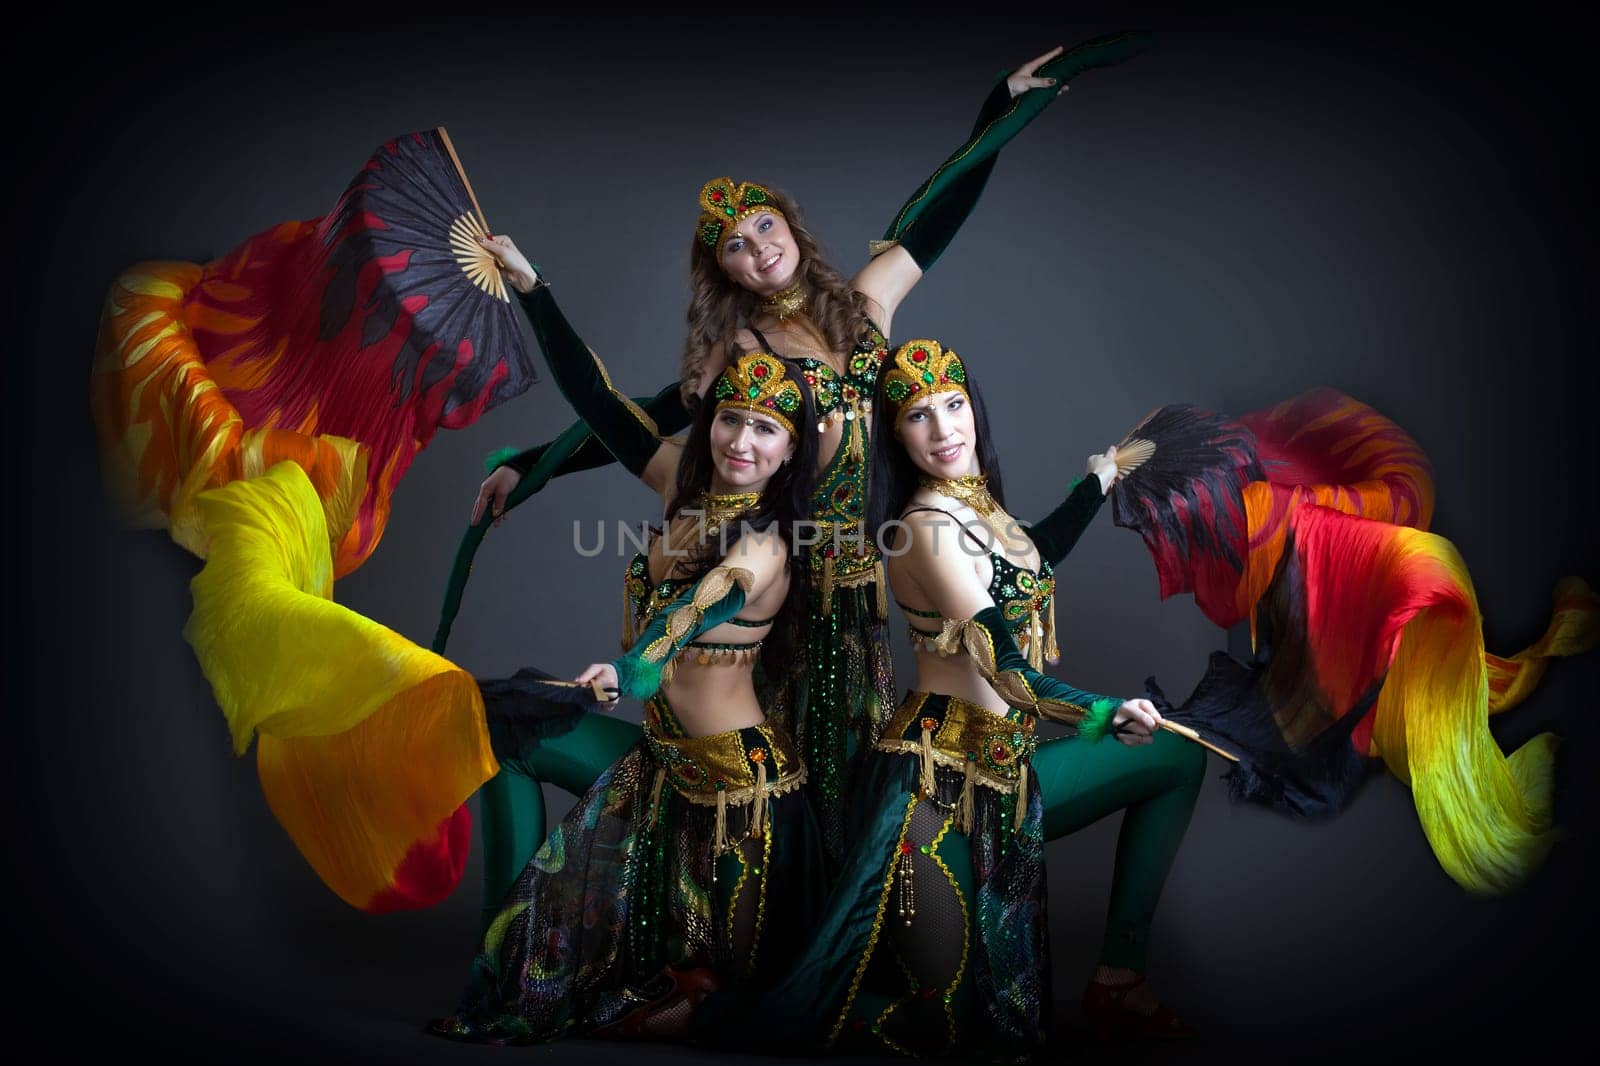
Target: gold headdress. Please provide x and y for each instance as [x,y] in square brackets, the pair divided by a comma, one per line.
[758,382]
[922,367]
[724,204]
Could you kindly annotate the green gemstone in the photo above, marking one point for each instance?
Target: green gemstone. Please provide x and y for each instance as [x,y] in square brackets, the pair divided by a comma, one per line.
[927,376]
[947,997]
[755,390]
[756,870]
[925,850]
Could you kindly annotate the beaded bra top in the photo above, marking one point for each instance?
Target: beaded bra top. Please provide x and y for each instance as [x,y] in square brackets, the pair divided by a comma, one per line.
[1023,596]
[842,555]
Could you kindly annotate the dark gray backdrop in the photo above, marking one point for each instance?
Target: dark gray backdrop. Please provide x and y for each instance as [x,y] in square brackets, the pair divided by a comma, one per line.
[1256,206]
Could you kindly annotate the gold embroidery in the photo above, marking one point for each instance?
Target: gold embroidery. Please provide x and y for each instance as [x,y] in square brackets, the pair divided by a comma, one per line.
[877,925]
[710,590]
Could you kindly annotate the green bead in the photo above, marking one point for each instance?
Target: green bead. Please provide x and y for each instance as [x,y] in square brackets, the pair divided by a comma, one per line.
[755,390]
[925,850]
[947,997]
[756,870]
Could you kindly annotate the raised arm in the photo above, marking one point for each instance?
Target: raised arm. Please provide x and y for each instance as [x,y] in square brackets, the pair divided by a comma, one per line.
[943,572]
[1056,533]
[929,219]
[619,423]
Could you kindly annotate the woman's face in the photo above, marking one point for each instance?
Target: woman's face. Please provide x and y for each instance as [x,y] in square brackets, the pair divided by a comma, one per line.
[747,448]
[759,254]
[940,434]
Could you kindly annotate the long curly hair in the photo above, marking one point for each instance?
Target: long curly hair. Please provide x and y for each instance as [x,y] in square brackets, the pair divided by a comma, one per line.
[785,503]
[718,306]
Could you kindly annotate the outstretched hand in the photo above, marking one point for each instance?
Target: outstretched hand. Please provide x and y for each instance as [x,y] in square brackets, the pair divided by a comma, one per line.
[512,262]
[1104,466]
[1022,79]
[607,676]
[493,492]
[1136,721]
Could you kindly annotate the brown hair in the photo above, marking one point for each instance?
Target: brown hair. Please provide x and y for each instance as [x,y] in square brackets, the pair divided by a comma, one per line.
[718,307]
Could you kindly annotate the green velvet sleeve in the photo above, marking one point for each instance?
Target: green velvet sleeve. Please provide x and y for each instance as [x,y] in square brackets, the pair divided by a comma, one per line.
[928,221]
[929,228]
[1058,531]
[665,409]
[988,640]
[711,601]
[616,421]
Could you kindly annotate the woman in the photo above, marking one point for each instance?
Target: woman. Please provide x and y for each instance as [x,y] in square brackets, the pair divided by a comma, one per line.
[662,881]
[958,797]
[760,283]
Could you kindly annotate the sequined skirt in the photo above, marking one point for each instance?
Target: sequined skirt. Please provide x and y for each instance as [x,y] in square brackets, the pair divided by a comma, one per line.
[839,989]
[648,870]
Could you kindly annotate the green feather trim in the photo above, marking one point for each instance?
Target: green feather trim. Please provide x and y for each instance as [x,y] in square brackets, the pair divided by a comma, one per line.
[498,458]
[1096,725]
[637,677]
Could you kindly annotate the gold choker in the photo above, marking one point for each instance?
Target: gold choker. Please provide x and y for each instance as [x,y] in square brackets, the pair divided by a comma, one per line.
[786,303]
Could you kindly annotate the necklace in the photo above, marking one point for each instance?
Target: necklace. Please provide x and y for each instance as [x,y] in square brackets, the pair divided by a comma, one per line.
[722,508]
[785,303]
[973,490]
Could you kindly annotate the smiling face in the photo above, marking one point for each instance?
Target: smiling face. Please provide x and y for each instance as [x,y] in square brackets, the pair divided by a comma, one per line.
[940,434]
[747,448]
[759,254]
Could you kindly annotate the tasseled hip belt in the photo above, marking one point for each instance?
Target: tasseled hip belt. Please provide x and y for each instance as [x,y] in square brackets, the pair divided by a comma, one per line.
[741,768]
[988,749]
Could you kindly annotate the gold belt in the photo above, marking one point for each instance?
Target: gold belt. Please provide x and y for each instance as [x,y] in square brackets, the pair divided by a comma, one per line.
[740,768]
[990,750]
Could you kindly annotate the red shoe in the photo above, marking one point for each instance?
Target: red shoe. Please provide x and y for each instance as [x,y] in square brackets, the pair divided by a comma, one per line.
[674,995]
[1106,1009]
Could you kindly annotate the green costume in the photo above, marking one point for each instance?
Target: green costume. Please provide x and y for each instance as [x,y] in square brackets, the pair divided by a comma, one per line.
[839,702]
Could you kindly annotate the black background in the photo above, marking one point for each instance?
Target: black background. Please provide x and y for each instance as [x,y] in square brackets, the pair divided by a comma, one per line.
[1395,207]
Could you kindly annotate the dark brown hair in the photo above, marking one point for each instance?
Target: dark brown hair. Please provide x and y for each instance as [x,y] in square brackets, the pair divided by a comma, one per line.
[719,306]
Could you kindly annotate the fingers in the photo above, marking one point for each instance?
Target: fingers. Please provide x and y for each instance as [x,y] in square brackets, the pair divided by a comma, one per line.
[1034,64]
[1023,83]
[479,503]
[592,671]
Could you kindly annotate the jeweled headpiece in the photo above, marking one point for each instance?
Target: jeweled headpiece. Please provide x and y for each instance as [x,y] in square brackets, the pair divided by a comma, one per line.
[758,382]
[922,367]
[724,204]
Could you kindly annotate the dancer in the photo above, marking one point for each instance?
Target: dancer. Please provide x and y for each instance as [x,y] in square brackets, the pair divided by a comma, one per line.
[693,859]
[955,804]
[760,283]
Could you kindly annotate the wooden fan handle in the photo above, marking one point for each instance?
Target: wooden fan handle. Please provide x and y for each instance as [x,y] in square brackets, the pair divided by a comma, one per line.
[1189,734]
[461,172]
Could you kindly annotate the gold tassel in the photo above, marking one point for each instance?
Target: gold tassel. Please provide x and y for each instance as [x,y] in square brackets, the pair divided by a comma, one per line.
[1035,640]
[1052,653]
[758,817]
[928,783]
[655,794]
[882,587]
[856,452]
[719,843]
[1022,797]
[969,790]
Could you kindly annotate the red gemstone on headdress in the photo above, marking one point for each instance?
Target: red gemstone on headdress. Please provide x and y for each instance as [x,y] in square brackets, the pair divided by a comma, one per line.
[716,195]
[759,370]
[905,848]
[919,355]
[769,401]
[999,751]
